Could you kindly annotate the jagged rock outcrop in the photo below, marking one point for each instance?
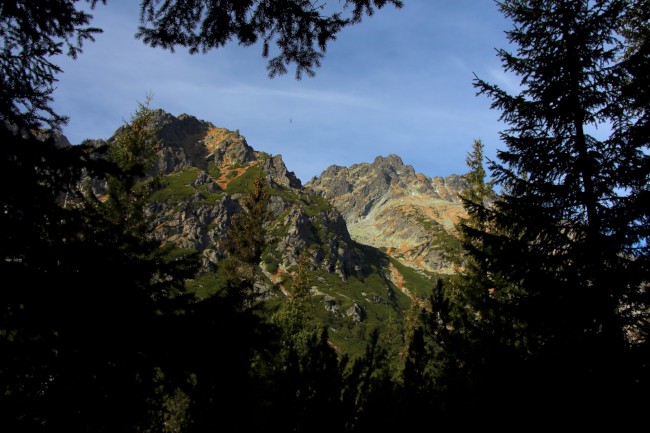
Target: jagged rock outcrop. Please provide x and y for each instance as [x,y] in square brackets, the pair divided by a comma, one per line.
[279,174]
[207,171]
[387,205]
[183,141]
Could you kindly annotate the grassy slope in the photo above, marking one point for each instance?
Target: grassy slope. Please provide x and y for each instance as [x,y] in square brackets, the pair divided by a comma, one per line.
[373,289]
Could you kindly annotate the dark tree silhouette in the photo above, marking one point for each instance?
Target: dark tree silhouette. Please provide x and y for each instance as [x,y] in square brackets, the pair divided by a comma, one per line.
[563,252]
[32,34]
[89,297]
[300,29]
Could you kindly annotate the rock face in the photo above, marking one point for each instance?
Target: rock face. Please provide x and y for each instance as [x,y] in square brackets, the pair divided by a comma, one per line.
[387,205]
[182,138]
[208,170]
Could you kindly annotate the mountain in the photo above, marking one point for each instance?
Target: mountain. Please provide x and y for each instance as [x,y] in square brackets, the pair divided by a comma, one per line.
[357,226]
[387,205]
[208,170]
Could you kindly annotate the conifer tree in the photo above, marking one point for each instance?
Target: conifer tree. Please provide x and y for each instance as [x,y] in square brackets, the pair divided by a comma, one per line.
[560,237]
[34,237]
[467,328]
[293,315]
[369,391]
[246,241]
[306,374]
[418,393]
[32,34]
[630,114]
[225,336]
[90,335]
[476,296]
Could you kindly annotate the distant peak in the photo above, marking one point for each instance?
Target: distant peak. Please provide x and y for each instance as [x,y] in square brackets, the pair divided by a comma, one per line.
[392,160]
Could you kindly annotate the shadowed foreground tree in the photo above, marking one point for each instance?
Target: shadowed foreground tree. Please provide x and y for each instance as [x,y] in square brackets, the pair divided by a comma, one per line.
[31,35]
[87,296]
[563,257]
[222,334]
[305,375]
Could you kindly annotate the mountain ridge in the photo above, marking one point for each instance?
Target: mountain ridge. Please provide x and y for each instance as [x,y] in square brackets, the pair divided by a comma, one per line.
[355,286]
[386,204]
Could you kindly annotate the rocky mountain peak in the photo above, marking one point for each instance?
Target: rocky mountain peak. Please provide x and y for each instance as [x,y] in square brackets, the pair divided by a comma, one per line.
[208,170]
[358,189]
[278,172]
[390,160]
[181,140]
[188,142]
[228,147]
[386,204]
[389,163]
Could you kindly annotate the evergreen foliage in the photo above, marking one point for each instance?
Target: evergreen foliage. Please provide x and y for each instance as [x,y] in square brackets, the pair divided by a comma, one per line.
[300,30]
[560,261]
[306,374]
[84,326]
[31,35]
[246,243]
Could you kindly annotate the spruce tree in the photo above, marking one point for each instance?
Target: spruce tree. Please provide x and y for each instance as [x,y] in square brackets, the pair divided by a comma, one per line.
[246,242]
[87,326]
[368,395]
[225,339]
[562,236]
[32,34]
[479,342]
[306,375]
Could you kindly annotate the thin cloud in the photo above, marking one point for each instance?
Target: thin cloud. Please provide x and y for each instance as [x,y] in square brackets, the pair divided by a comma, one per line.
[506,81]
[315,96]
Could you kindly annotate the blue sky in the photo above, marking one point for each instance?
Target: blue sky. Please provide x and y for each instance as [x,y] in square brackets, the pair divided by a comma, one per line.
[399,82]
